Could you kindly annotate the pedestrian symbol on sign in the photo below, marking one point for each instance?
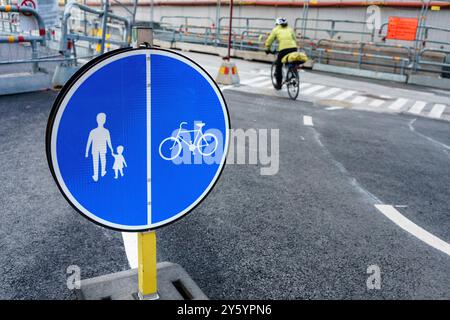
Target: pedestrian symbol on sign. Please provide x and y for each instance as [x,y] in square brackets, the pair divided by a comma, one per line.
[99,138]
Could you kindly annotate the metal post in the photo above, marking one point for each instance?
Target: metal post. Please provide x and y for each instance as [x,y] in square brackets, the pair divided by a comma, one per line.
[104,26]
[34,57]
[152,14]
[229,31]
[218,22]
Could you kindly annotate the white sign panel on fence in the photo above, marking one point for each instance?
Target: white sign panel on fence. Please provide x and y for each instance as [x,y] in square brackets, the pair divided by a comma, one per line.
[47,9]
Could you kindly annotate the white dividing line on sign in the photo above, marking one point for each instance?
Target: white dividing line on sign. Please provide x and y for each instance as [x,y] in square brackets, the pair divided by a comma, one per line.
[437,111]
[358,99]
[327,93]
[253,80]
[130,244]
[307,121]
[417,107]
[149,142]
[398,104]
[344,95]
[376,103]
[313,89]
[395,216]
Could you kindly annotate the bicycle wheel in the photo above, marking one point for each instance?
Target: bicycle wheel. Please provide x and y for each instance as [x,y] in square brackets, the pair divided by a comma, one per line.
[272,75]
[170,148]
[292,83]
[207,144]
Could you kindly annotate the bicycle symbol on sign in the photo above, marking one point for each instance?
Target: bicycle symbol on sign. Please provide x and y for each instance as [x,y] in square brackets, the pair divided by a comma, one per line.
[205,143]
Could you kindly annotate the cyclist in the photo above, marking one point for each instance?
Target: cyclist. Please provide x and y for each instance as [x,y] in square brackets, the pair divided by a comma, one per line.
[286,44]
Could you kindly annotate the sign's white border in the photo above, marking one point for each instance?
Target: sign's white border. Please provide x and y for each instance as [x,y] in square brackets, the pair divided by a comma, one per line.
[68,96]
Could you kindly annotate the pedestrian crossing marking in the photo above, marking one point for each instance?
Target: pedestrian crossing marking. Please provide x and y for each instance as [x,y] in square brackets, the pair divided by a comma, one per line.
[344,95]
[437,111]
[376,103]
[253,80]
[328,92]
[398,104]
[358,99]
[263,84]
[313,89]
[355,97]
[417,107]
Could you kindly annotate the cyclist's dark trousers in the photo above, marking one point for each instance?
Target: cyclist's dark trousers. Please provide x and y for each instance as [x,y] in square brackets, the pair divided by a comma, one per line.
[279,65]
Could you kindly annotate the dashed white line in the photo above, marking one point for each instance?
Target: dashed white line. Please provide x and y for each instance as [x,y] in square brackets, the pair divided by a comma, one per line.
[333,108]
[398,104]
[395,216]
[437,111]
[358,99]
[130,244]
[376,103]
[417,107]
[307,121]
[344,95]
[313,89]
[327,93]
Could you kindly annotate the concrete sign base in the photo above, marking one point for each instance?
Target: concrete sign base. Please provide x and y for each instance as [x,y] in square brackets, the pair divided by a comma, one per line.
[173,284]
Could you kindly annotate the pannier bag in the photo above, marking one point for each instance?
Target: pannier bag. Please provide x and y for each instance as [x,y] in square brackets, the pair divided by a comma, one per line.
[295,57]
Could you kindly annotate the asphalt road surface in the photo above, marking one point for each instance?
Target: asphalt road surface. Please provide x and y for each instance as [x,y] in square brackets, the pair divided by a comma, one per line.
[308,232]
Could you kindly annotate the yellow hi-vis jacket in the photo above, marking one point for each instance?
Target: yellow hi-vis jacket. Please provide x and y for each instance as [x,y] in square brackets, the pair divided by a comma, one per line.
[285,37]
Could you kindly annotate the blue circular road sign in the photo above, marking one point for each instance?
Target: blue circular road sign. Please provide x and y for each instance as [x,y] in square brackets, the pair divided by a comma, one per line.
[137,138]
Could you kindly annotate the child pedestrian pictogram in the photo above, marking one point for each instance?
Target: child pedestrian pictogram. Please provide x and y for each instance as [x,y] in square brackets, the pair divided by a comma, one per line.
[119,162]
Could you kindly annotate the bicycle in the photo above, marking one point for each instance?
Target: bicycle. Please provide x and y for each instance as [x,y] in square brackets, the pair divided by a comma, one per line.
[290,77]
[200,142]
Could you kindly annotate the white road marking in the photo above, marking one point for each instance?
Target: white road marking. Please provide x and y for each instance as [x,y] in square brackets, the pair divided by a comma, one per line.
[398,104]
[437,111]
[440,144]
[130,244]
[227,87]
[376,103]
[304,85]
[344,95]
[253,80]
[327,93]
[358,99]
[313,89]
[417,107]
[333,108]
[307,121]
[262,84]
[407,225]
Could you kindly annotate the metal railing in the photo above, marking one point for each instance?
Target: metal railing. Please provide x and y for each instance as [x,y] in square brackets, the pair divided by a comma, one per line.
[68,39]
[14,38]
[333,27]
[250,33]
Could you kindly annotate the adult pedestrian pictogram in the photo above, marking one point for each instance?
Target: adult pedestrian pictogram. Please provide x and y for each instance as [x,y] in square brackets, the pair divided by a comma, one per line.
[122,129]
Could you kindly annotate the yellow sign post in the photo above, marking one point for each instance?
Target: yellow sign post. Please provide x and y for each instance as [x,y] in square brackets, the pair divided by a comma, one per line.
[147,275]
